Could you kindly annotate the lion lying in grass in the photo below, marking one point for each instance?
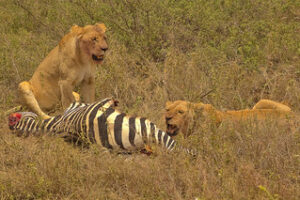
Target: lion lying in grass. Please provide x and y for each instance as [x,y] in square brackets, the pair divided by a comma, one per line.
[178,114]
[73,62]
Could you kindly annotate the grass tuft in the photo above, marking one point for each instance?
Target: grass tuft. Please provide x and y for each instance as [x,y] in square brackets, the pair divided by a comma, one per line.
[236,51]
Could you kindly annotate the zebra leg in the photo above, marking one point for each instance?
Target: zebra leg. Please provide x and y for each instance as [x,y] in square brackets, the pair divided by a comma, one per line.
[30,101]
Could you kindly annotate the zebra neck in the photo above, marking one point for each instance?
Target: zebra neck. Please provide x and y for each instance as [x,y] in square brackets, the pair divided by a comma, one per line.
[50,125]
[33,125]
[157,135]
[27,124]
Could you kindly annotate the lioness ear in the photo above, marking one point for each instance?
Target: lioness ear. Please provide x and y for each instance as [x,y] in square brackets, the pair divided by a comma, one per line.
[101,26]
[76,29]
[168,103]
[198,105]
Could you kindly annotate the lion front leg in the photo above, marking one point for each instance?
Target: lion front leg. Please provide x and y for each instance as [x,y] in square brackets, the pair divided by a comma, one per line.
[66,91]
[29,100]
[88,90]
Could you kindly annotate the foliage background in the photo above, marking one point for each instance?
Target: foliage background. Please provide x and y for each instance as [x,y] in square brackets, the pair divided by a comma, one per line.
[241,51]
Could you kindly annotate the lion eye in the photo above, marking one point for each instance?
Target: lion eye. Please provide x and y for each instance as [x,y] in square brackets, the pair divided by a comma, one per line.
[180,111]
[94,39]
[167,110]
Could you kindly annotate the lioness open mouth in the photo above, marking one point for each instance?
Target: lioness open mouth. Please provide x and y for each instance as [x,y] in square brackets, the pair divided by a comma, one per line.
[97,58]
[172,130]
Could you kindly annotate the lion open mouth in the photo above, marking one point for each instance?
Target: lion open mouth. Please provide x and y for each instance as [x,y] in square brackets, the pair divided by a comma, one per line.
[172,130]
[97,58]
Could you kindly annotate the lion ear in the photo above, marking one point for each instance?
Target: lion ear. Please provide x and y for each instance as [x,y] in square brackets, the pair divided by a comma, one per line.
[76,29]
[168,103]
[101,26]
[198,106]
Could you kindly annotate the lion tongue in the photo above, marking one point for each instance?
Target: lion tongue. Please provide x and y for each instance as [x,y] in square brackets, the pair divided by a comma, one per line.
[171,127]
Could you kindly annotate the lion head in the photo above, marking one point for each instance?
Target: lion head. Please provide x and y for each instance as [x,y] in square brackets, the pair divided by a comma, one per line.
[181,116]
[89,42]
[178,115]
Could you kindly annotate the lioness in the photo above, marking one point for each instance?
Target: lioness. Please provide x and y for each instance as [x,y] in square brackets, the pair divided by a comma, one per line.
[178,114]
[73,62]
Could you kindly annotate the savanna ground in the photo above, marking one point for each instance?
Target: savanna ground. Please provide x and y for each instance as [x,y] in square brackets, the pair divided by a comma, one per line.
[241,51]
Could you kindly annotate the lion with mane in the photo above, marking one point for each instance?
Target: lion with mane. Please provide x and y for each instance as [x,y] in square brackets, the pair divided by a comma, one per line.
[179,114]
[71,63]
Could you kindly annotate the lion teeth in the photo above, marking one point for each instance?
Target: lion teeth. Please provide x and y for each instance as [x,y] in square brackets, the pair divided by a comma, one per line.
[97,57]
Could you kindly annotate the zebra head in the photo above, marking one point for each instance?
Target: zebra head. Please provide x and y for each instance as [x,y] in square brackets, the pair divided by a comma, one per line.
[14,118]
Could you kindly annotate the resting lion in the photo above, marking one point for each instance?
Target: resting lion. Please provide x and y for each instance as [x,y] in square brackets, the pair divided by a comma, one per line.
[178,114]
[73,62]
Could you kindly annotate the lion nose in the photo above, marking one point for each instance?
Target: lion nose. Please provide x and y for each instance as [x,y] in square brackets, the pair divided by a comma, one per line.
[168,118]
[104,49]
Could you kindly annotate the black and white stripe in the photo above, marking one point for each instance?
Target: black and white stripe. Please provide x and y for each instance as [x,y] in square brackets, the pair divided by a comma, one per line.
[102,124]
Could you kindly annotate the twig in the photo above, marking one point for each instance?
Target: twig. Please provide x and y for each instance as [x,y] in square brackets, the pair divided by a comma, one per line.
[124,18]
[87,12]
[17,3]
[207,93]
[15,66]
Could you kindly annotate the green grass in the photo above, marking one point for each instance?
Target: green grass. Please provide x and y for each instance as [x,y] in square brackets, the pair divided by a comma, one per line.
[159,51]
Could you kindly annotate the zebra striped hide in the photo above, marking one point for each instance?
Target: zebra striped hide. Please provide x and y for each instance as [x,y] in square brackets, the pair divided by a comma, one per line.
[98,123]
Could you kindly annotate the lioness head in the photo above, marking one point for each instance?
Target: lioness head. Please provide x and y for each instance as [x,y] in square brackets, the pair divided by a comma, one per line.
[90,42]
[178,115]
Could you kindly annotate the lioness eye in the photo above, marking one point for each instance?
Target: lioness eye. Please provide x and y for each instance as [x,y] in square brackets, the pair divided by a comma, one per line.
[94,39]
[167,110]
[180,111]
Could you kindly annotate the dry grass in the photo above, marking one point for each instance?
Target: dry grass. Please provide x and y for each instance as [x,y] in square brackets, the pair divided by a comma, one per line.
[253,161]
[172,50]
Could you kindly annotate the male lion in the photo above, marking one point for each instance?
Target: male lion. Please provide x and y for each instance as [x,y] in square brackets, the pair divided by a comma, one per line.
[179,114]
[73,62]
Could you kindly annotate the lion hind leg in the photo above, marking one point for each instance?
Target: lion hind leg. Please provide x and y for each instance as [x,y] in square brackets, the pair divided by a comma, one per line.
[269,104]
[76,96]
[29,99]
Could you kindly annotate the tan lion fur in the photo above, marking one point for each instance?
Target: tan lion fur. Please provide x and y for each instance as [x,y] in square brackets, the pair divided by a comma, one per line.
[179,113]
[71,63]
